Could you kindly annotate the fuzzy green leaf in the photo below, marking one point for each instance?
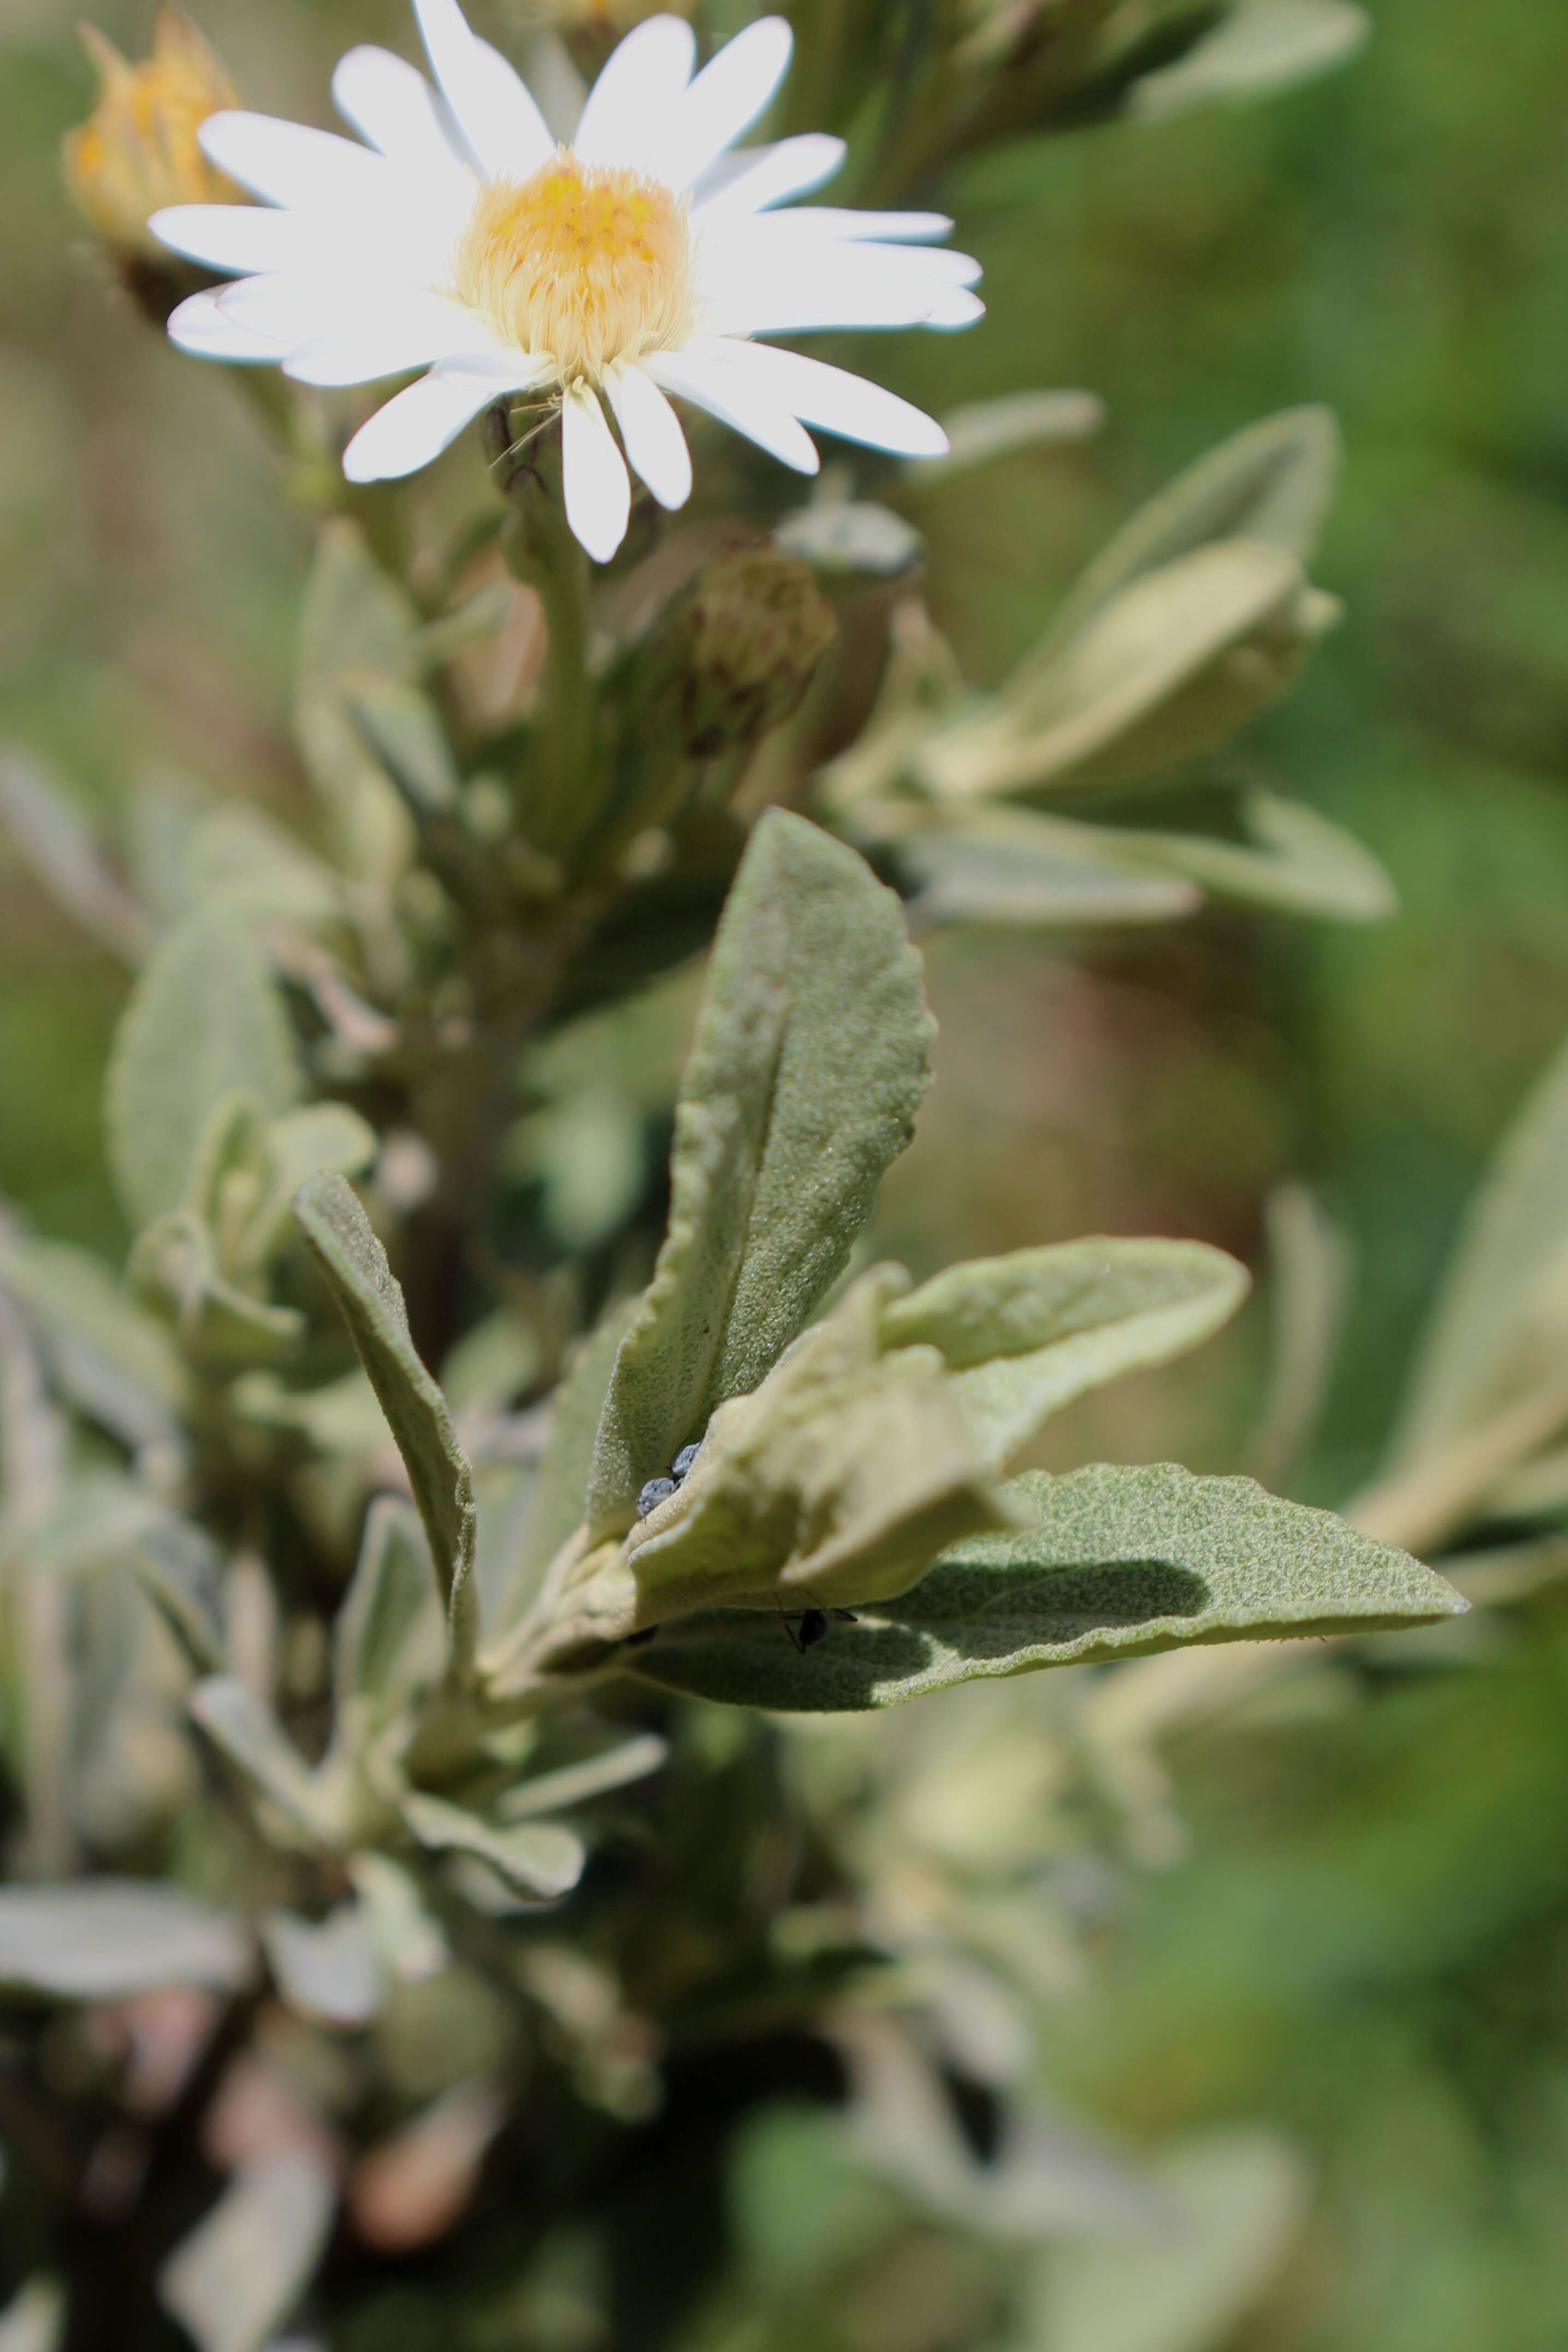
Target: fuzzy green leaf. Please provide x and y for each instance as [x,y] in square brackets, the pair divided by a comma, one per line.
[326,1969]
[254,1740]
[983,432]
[537,1858]
[1024,1335]
[339,1234]
[388,1641]
[205,1021]
[1118,1563]
[811,1058]
[115,1362]
[839,1479]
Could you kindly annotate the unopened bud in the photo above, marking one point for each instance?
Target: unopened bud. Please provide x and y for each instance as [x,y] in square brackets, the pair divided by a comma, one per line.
[138,151]
[747,639]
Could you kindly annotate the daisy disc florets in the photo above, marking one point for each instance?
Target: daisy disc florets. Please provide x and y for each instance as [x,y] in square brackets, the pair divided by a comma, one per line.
[637,259]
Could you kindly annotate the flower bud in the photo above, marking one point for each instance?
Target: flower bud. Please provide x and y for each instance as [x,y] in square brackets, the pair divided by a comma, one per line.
[745,641]
[138,151]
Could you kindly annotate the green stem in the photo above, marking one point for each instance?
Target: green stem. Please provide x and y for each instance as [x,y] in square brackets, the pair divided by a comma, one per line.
[541,551]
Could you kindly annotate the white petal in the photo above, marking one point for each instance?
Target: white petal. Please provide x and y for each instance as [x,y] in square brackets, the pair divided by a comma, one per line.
[494,110]
[390,103]
[628,108]
[788,287]
[839,402]
[726,99]
[197,325]
[238,236]
[502,369]
[705,381]
[412,429]
[404,331]
[291,307]
[760,176]
[652,432]
[288,164]
[837,224]
[597,486]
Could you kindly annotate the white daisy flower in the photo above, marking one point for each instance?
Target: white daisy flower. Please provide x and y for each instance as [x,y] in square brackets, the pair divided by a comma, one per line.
[637,262]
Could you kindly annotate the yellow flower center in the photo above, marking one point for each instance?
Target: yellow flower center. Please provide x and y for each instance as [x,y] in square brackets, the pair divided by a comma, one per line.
[582,264]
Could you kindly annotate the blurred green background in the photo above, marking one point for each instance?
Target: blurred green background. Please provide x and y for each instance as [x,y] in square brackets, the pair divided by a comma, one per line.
[1366,1939]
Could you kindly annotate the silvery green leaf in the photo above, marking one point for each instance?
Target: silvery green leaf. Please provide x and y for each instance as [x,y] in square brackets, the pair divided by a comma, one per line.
[1052,883]
[326,1135]
[1273,481]
[838,1481]
[174,1267]
[809,1060]
[54,836]
[1304,863]
[339,1235]
[409,1943]
[100,1517]
[254,1740]
[239,854]
[845,536]
[178,1565]
[983,432]
[238,2275]
[341,1418]
[575,1784]
[205,1021]
[1239,2202]
[1262,47]
[458,632]
[358,628]
[327,1969]
[404,729]
[107,1938]
[1311,1264]
[35,2321]
[1164,673]
[1024,1335]
[1119,1562]
[1496,1329]
[388,1641]
[556,1499]
[537,1858]
[115,1362]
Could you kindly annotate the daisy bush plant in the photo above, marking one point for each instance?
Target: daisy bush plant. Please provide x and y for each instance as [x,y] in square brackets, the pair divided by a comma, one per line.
[412,1551]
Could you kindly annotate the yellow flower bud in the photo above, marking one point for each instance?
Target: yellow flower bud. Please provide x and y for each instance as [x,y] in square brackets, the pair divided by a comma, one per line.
[138,149]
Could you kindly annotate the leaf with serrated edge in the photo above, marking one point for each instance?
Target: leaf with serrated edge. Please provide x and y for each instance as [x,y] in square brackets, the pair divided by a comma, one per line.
[205,1020]
[811,1057]
[341,1238]
[1119,1562]
[536,1858]
[1024,1335]
[837,1481]
[109,1938]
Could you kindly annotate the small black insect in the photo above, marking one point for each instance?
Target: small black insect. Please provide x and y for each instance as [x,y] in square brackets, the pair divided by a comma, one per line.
[657,1491]
[636,1641]
[684,1460]
[813,1626]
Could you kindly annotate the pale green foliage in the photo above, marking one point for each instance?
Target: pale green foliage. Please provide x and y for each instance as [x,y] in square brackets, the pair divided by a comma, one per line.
[1024,1335]
[1264,46]
[340,1233]
[1118,1563]
[205,1022]
[240,2272]
[105,1941]
[809,1060]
